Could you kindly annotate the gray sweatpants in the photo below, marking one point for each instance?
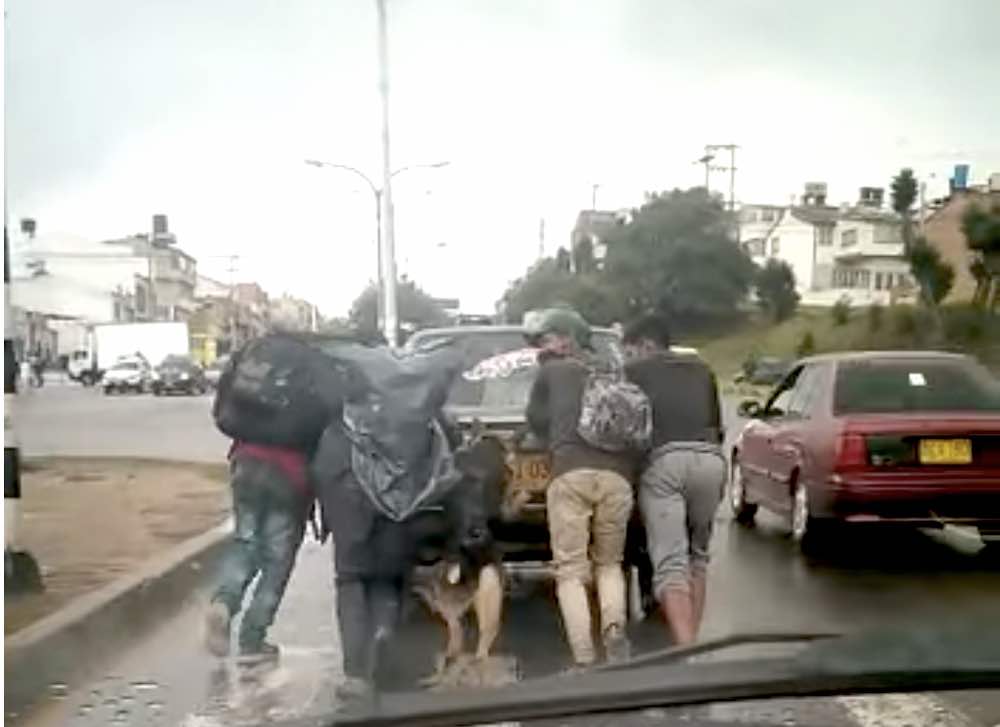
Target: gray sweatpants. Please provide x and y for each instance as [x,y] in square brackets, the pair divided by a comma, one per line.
[678,494]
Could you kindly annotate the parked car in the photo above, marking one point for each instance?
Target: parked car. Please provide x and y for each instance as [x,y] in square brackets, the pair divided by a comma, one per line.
[765,371]
[877,437]
[490,398]
[179,375]
[213,372]
[127,374]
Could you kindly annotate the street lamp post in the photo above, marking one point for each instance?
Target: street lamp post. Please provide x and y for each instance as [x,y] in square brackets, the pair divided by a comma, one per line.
[389,327]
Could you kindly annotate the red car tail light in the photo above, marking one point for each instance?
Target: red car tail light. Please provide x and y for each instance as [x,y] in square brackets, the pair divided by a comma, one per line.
[851,453]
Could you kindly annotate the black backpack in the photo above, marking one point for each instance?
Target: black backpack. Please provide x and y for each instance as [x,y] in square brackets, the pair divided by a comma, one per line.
[279,390]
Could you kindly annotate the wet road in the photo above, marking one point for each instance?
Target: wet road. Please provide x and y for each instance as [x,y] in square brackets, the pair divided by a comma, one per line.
[758,581]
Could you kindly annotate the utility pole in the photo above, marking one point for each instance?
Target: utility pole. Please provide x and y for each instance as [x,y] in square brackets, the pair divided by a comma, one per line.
[391,311]
[707,161]
[233,263]
[593,195]
[541,238]
[731,168]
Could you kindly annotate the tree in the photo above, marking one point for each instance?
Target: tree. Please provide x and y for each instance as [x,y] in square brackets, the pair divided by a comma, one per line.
[775,285]
[676,255]
[543,285]
[548,283]
[934,275]
[904,194]
[981,227]
[416,308]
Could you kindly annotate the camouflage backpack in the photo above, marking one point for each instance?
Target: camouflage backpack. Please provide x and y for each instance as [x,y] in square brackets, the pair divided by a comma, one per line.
[615,414]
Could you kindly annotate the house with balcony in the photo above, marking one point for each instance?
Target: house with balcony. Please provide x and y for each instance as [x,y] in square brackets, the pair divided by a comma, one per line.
[794,233]
[866,261]
[853,251]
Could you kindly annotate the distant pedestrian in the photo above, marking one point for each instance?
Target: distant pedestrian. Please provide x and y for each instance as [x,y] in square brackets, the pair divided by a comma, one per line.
[589,500]
[272,502]
[683,480]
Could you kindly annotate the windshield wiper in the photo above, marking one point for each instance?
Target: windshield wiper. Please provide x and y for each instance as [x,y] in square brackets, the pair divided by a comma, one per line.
[876,662]
[680,653]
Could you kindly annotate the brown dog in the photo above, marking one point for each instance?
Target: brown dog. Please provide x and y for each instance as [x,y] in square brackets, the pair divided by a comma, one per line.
[469,574]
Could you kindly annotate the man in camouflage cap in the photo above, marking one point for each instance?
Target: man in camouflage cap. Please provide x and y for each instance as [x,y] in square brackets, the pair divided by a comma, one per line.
[589,500]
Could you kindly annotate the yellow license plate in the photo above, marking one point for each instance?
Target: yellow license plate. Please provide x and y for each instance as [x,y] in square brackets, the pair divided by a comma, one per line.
[532,471]
[945,451]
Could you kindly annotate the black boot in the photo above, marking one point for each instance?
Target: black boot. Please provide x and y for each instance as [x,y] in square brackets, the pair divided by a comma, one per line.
[384,600]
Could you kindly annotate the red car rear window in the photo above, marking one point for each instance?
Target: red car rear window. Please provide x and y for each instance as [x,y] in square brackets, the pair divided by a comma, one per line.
[914,385]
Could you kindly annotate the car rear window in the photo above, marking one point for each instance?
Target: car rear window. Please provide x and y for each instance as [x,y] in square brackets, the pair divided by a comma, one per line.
[913,386]
[504,393]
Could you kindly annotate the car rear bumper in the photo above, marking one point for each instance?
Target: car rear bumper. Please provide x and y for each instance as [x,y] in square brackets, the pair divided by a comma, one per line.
[926,499]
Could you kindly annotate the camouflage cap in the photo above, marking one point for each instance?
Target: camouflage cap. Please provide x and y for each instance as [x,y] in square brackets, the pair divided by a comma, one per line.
[560,320]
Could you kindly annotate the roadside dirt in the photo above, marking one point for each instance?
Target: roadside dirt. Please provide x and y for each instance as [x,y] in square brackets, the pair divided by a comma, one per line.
[89,521]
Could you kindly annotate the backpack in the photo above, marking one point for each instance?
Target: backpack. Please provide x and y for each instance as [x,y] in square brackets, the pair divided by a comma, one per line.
[278,390]
[615,414]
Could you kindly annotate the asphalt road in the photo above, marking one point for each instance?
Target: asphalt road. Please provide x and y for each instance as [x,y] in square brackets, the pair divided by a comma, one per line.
[758,582]
[66,419]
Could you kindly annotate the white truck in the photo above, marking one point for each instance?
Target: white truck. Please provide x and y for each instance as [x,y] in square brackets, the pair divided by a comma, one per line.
[109,342]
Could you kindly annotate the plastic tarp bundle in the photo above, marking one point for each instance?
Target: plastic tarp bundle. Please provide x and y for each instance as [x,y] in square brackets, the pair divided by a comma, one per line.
[400,454]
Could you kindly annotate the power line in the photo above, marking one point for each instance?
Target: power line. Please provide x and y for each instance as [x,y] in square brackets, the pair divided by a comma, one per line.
[710,156]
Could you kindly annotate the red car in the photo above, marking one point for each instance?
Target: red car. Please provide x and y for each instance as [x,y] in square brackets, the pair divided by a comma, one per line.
[908,437]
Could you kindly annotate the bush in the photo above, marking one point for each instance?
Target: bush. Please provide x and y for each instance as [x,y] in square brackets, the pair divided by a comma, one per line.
[965,324]
[875,317]
[807,345]
[904,320]
[775,286]
[841,312]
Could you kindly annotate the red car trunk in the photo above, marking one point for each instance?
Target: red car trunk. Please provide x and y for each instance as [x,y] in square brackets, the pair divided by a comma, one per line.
[915,466]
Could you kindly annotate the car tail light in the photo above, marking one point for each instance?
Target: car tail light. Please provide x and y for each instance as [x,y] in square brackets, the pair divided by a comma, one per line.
[852,452]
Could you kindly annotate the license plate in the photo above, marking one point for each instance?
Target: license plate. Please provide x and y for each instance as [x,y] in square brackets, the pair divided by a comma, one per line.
[945,451]
[532,471]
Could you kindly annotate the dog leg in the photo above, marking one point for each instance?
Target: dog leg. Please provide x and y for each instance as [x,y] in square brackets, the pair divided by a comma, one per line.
[488,604]
[456,637]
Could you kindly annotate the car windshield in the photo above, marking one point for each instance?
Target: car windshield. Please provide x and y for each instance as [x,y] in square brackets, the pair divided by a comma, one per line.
[497,390]
[179,362]
[128,366]
[914,385]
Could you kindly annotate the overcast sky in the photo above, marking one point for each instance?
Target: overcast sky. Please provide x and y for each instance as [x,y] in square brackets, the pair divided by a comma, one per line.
[205,110]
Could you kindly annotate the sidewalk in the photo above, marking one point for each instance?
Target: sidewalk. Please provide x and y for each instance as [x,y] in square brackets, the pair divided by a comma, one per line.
[89,521]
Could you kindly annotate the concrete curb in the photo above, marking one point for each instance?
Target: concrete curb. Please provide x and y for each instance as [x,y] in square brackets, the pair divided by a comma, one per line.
[75,640]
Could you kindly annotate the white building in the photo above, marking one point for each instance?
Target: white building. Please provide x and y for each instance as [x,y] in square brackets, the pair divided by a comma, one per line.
[853,252]
[69,276]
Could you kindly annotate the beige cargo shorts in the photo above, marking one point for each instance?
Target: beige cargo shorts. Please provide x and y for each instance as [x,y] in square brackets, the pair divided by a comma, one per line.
[588,514]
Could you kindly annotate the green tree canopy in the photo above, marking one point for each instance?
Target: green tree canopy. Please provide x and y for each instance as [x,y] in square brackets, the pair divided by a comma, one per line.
[548,284]
[904,194]
[775,285]
[677,256]
[981,226]
[933,273]
[416,308]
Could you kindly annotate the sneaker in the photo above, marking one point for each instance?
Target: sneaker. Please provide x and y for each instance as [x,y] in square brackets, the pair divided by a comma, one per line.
[217,629]
[259,651]
[616,645]
[575,670]
[354,689]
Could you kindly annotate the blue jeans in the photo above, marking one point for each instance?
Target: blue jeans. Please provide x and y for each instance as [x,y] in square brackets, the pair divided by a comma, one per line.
[270,523]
